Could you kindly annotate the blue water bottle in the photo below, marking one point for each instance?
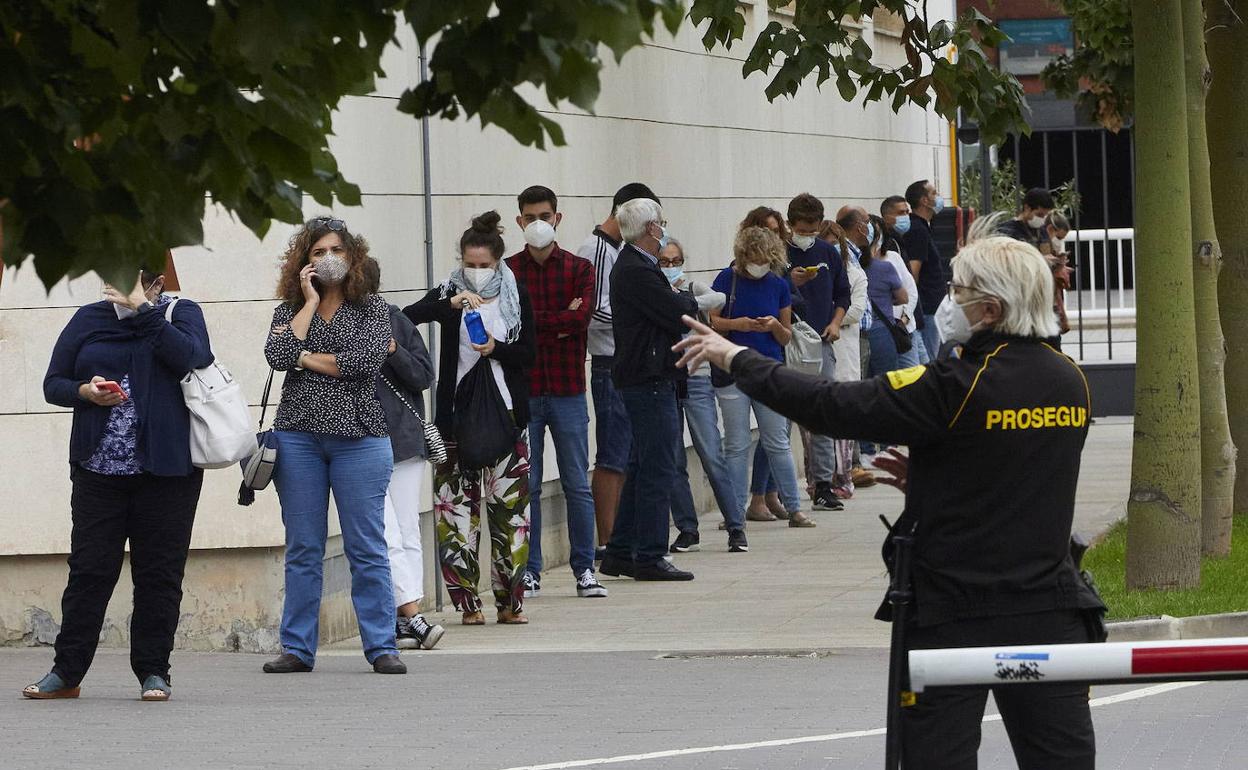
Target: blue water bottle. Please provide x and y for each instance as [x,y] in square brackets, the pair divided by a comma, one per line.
[476,329]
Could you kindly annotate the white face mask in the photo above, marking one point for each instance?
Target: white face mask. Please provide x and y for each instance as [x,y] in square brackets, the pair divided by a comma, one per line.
[952,323]
[803,242]
[332,268]
[1036,222]
[539,234]
[478,277]
[757,271]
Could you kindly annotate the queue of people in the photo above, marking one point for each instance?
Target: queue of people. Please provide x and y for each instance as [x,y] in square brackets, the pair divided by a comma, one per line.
[515,333]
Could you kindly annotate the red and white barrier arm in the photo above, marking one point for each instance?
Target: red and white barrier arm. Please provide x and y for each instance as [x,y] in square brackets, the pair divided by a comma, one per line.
[1093,663]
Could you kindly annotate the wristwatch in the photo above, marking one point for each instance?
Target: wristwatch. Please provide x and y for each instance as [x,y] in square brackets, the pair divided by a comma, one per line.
[299,359]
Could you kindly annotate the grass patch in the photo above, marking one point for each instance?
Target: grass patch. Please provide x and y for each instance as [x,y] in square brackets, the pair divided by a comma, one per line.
[1223,582]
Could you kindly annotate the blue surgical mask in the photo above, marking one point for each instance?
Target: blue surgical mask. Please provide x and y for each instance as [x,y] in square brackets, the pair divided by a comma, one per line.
[870,232]
[939,205]
[663,239]
[902,225]
[673,274]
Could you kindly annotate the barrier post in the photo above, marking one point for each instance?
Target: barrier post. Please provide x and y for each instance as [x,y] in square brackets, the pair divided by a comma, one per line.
[899,694]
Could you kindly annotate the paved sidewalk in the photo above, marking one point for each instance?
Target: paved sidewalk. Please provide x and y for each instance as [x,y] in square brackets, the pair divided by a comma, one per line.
[796,588]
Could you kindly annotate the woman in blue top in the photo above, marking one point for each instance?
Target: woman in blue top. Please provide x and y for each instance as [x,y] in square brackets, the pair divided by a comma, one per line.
[118,364]
[758,314]
[884,289]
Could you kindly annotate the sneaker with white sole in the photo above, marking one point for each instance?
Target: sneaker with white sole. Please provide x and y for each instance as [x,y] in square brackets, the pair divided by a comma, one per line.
[532,585]
[737,542]
[427,634]
[686,542]
[587,585]
[404,636]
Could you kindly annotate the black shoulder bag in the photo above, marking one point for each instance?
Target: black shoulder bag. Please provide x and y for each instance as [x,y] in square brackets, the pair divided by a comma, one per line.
[485,431]
[720,378]
[901,338]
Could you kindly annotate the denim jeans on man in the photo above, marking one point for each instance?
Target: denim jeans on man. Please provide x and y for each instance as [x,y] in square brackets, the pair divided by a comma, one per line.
[931,336]
[611,430]
[568,420]
[641,526]
[773,434]
[358,472]
[822,451]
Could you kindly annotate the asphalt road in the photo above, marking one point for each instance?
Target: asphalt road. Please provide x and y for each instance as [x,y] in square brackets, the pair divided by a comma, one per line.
[558,710]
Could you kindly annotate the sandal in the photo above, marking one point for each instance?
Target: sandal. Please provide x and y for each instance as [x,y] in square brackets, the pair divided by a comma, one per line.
[799,519]
[49,688]
[473,618]
[155,688]
[509,618]
[776,506]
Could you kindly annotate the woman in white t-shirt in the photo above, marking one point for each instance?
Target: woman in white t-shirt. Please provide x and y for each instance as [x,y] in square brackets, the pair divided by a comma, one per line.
[483,283]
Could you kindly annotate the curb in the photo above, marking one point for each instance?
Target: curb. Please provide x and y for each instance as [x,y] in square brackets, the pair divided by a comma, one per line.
[1230,624]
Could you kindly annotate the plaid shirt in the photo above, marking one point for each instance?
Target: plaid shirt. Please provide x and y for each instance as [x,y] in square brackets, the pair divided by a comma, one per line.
[552,286]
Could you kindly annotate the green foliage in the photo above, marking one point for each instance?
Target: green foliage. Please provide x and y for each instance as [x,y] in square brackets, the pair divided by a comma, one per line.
[1007,192]
[821,43]
[1104,57]
[121,119]
[1223,582]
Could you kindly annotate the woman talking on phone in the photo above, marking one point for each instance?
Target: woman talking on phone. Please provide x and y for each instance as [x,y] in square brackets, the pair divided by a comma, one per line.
[118,364]
[488,348]
[331,335]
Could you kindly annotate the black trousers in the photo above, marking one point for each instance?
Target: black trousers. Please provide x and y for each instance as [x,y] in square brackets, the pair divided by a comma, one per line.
[155,513]
[1050,725]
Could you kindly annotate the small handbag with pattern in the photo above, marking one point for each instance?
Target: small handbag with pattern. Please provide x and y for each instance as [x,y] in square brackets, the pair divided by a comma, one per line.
[433,437]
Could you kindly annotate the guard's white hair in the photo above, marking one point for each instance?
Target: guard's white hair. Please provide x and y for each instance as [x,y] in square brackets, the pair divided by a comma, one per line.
[634,215]
[1013,272]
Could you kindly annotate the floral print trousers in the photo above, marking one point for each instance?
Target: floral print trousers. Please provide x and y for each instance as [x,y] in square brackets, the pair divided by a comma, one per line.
[504,491]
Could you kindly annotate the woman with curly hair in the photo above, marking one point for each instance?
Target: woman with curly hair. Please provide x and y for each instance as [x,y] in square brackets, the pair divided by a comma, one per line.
[331,335]
[483,283]
[758,315]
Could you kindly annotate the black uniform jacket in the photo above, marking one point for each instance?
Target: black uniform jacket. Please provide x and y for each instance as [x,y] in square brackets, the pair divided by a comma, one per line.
[994,442]
[646,320]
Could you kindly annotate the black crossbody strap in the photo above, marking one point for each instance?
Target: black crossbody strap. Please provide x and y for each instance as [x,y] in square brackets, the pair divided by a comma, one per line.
[264,400]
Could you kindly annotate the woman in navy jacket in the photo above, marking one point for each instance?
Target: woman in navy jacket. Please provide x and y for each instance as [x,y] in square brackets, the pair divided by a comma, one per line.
[130,466]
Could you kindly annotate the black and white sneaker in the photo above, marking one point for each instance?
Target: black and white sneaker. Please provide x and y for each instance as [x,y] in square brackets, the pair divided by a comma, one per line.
[686,542]
[427,634]
[532,585]
[737,542]
[826,500]
[404,636]
[587,585]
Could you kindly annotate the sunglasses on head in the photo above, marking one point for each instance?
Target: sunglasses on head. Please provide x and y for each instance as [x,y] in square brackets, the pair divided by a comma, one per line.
[336,225]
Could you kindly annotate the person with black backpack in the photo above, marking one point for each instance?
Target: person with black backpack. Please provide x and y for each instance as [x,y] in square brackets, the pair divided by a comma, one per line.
[482,409]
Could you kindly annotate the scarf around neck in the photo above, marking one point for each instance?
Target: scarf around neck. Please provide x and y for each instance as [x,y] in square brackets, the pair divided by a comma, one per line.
[501,286]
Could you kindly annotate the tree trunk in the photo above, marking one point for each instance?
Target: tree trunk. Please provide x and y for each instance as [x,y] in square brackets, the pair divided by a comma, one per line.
[1227,118]
[1163,511]
[1217,453]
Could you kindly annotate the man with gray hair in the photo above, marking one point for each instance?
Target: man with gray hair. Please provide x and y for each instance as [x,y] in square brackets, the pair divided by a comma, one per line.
[647,315]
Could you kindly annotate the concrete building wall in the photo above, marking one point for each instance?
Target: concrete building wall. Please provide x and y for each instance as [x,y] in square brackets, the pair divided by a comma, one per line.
[671,115]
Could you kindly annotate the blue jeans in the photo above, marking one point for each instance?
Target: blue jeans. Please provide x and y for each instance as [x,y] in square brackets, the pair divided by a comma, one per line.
[640,531]
[931,336]
[761,480]
[884,356]
[773,434]
[684,510]
[568,419]
[357,470]
[918,351]
[702,417]
[611,431]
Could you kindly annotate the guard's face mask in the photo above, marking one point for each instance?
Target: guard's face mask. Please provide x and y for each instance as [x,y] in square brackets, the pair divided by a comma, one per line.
[952,323]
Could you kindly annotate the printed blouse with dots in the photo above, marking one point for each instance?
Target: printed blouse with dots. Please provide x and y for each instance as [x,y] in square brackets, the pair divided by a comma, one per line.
[358,336]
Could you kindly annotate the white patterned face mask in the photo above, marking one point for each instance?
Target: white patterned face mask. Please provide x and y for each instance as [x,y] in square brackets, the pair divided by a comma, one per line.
[332,268]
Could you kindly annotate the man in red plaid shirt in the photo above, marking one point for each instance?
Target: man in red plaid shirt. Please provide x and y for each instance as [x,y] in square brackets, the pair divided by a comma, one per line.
[561,287]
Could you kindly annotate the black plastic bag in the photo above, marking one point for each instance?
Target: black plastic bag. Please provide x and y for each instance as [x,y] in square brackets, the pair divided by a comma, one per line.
[484,429]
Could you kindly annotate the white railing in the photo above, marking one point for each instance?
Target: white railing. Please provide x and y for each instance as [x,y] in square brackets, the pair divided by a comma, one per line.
[1106,293]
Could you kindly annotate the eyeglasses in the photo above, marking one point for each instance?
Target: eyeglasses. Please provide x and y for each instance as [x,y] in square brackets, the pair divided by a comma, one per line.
[679,262]
[336,225]
[952,287]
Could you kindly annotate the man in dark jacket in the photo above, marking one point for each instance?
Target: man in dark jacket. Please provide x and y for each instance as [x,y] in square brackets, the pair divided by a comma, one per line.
[647,322]
[991,559]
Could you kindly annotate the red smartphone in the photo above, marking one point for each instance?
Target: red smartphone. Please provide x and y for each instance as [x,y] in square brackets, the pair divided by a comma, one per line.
[112,387]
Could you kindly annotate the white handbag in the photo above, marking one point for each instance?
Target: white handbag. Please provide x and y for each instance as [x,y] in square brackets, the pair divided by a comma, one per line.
[805,349]
[221,432]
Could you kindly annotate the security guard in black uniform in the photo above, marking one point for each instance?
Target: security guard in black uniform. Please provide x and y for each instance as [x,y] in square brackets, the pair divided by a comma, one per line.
[995,438]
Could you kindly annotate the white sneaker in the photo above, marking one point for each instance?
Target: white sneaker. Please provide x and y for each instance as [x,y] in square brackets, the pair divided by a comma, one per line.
[587,585]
